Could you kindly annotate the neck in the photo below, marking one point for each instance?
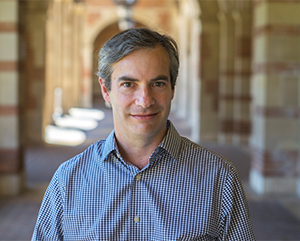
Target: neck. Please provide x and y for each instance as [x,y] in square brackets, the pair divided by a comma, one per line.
[137,149]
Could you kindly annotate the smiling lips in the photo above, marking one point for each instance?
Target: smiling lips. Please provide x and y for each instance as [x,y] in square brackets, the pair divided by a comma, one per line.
[144,116]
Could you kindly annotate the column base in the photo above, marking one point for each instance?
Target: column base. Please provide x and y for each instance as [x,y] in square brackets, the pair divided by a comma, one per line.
[11,184]
[273,185]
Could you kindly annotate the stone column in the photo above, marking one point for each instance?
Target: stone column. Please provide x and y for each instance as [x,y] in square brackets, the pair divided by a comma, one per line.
[189,83]
[226,78]
[183,78]
[188,88]
[275,91]
[242,73]
[194,71]
[11,169]
[32,68]
[76,52]
[54,60]
[51,73]
[209,76]
[86,85]
[66,50]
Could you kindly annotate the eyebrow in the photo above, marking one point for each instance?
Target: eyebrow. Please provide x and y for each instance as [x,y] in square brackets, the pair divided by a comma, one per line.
[159,77]
[126,78]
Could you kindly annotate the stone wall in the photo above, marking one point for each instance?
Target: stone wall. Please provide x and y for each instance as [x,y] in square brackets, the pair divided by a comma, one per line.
[10,146]
[275,91]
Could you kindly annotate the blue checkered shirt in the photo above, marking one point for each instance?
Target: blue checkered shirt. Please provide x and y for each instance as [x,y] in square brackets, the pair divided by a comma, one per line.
[186,192]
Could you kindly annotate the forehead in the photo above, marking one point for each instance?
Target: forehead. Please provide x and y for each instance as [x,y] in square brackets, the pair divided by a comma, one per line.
[146,59]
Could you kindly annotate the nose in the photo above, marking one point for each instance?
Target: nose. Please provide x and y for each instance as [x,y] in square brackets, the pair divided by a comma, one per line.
[144,98]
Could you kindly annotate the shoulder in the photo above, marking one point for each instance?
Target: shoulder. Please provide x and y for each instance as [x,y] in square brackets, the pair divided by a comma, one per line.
[200,155]
[83,161]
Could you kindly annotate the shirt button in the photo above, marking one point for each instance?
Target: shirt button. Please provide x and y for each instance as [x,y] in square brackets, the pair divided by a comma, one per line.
[138,177]
[136,219]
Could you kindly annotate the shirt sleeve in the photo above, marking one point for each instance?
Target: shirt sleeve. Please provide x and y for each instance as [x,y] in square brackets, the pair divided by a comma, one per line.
[49,221]
[236,223]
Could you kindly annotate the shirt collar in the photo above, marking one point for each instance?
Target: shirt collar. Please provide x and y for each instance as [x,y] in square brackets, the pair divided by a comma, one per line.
[171,143]
[109,146]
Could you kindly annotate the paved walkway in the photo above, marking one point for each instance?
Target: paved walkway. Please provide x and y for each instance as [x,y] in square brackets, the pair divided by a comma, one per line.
[274,218]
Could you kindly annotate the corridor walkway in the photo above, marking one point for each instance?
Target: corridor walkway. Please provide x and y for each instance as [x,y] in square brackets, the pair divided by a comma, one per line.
[274,218]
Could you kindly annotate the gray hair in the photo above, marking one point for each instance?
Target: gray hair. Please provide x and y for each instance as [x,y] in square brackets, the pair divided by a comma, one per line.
[131,40]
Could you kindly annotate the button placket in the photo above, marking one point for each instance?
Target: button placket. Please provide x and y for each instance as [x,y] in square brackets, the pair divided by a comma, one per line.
[136,218]
[139,205]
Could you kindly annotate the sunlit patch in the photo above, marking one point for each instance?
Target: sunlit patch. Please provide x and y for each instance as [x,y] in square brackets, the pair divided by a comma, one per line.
[60,136]
[76,123]
[69,129]
[87,113]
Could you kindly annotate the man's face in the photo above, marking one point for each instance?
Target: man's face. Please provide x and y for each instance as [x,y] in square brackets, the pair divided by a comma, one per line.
[140,94]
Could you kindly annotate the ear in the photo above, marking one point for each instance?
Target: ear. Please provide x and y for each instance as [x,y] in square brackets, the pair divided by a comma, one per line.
[104,90]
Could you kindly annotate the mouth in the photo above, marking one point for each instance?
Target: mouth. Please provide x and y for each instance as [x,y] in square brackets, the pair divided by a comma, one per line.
[144,116]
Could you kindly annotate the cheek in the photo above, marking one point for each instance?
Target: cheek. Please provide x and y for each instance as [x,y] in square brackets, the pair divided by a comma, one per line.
[165,98]
[121,101]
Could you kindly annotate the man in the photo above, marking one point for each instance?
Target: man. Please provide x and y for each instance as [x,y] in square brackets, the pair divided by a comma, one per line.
[145,181]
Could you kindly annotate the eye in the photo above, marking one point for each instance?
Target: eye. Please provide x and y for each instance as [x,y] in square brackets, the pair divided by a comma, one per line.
[159,84]
[127,84]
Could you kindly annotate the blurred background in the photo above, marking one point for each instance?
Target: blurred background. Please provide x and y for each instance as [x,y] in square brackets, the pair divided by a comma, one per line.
[238,93]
